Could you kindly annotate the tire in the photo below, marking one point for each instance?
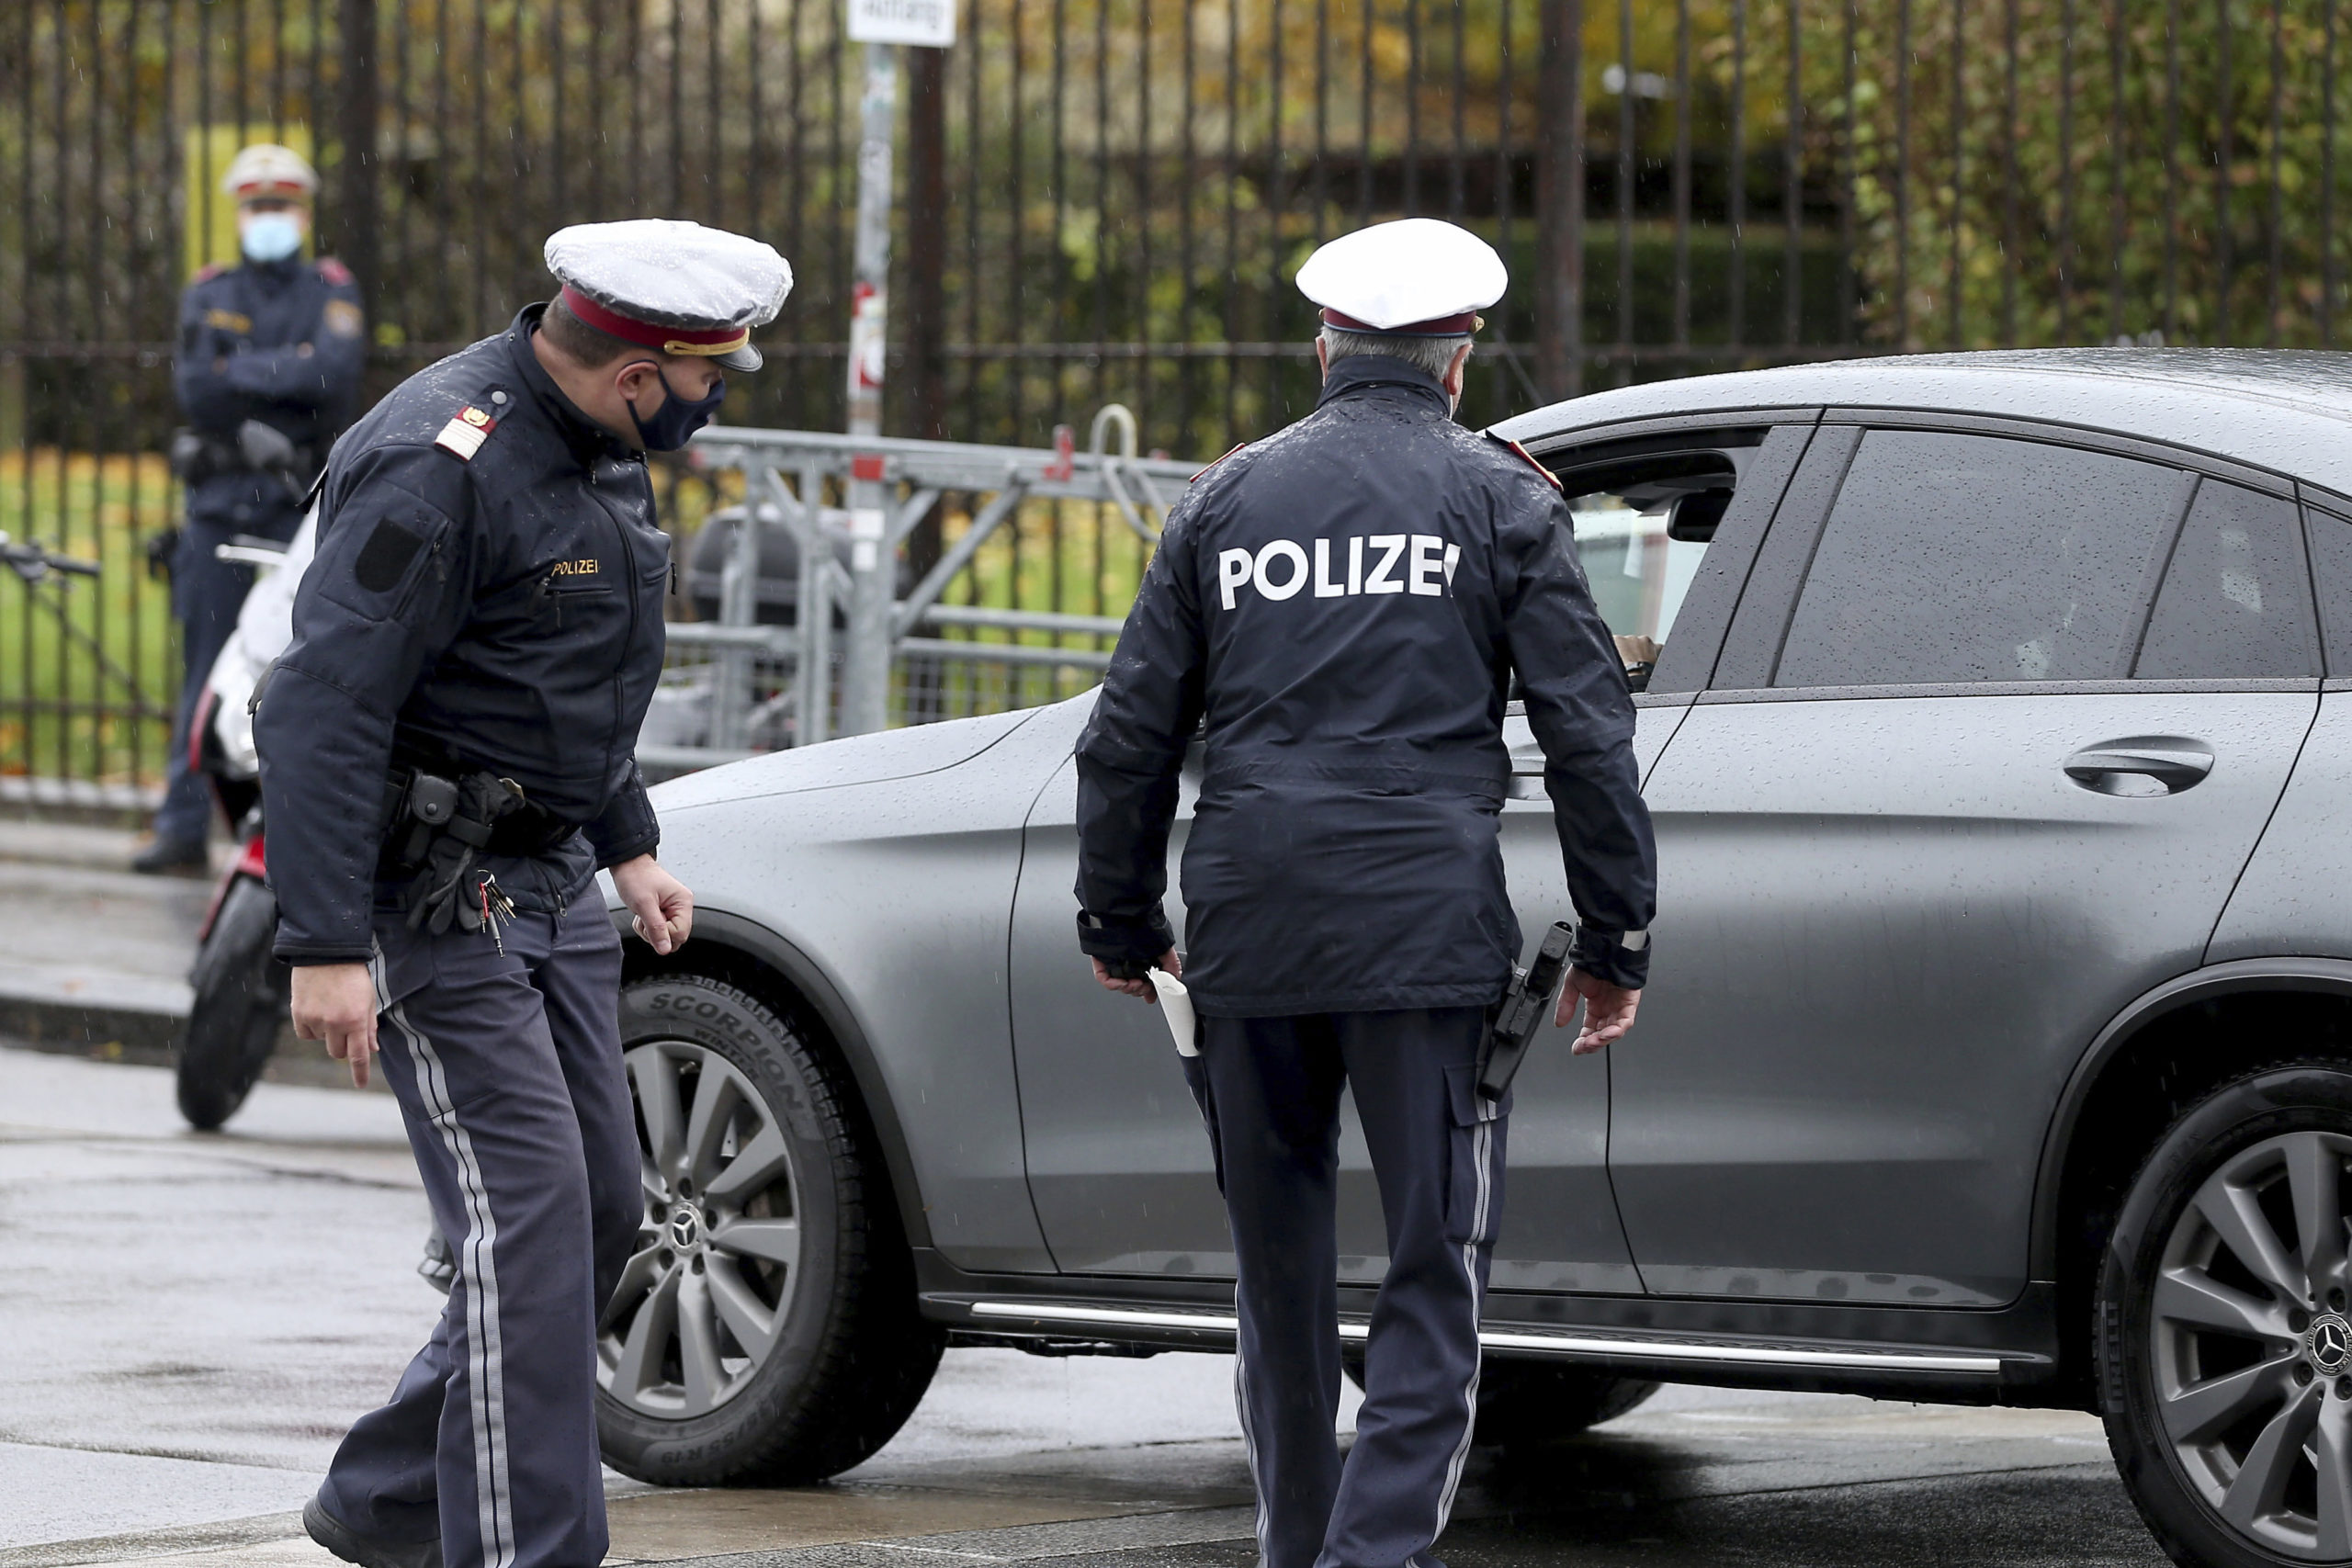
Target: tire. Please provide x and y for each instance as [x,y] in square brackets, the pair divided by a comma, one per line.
[239,1006]
[1525,1403]
[2225,1353]
[785,1258]
[1522,1404]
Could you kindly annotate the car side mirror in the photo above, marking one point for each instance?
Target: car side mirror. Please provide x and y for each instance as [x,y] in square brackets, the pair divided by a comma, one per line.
[1693,518]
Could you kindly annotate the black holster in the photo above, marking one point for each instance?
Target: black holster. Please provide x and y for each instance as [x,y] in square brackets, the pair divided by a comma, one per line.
[437,830]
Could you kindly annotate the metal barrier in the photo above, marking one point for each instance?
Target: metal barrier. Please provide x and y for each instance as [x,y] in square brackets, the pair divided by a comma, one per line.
[786,474]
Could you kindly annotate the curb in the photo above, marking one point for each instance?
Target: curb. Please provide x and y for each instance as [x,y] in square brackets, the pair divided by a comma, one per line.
[82,1028]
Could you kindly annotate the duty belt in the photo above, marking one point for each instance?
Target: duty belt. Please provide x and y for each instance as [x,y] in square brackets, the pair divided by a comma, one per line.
[438,828]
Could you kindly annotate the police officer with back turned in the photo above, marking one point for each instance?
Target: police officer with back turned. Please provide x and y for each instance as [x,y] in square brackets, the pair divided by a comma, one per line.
[267,372]
[446,761]
[1339,609]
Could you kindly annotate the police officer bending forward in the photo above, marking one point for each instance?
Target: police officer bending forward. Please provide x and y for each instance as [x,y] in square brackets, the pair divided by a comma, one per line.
[1344,604]
[447,760]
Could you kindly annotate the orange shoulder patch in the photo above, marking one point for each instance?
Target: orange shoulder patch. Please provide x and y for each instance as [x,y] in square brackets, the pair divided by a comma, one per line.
[1526,456]
[1237,446]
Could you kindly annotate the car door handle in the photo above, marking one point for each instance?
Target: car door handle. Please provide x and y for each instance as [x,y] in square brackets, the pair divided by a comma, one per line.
[2173,765]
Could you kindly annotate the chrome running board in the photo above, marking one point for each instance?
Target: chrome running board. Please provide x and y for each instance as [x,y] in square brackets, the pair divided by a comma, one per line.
[1585,1345]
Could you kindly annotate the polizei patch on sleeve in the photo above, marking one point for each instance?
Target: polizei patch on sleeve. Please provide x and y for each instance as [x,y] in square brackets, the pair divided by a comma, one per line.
[465,433]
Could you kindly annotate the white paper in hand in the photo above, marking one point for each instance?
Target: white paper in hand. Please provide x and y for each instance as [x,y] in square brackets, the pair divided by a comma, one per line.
[1177,1003]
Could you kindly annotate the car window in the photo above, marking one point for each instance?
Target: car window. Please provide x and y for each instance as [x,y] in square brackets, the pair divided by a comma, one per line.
[1642,529]
[2330,542]
[2237,600]
[1953,557]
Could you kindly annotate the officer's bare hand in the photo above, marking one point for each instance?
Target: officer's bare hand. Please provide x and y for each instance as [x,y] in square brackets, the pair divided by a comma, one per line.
[336,1003]
[662,909]
[1607,1011]
[1142,988]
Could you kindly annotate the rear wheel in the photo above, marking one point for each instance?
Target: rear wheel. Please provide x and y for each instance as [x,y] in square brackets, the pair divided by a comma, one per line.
[766,1330]
[239,1002]
[2225,1341]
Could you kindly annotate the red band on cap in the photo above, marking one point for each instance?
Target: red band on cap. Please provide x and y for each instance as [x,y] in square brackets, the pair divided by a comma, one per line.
[1462,325]
[653,334]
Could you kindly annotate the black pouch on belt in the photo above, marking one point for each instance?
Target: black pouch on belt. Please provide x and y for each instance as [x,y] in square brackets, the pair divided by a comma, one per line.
[441,893]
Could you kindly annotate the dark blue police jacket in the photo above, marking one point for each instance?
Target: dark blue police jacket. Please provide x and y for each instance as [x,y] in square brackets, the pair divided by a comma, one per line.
[280,342]
[487,594]
[1339,608]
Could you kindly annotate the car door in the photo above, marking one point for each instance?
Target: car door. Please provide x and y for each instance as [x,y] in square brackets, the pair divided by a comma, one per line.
[1956,797]
[1119,1167]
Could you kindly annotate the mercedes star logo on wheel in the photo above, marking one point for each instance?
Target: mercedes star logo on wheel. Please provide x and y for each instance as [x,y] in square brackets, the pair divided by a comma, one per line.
[685,1234]
[2331,1341]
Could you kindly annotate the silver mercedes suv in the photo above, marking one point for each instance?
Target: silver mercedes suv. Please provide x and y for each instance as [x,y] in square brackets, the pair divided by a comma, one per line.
[1999,1047]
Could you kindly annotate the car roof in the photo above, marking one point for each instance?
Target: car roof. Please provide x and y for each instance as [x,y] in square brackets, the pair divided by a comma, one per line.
[2286,410]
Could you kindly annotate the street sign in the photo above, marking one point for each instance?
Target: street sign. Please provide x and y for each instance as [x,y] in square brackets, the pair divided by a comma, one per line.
[928,22]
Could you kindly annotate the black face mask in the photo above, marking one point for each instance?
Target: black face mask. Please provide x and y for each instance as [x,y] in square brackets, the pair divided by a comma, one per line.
[676,420]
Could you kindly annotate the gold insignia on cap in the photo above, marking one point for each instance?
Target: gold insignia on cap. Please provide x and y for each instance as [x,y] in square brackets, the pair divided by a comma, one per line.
[708,349]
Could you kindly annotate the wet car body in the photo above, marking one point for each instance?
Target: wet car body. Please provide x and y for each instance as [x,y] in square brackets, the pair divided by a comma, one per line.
[1995,747]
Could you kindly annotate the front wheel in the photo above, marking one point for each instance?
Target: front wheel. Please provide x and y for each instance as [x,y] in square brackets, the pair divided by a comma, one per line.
[239,1001]
[2224,1343]
[766,1331]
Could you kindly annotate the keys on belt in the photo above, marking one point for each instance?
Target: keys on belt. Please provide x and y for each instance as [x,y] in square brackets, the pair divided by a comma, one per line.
[444,825]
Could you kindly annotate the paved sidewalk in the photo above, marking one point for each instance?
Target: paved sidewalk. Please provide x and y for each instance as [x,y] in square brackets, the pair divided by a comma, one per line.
[98,964]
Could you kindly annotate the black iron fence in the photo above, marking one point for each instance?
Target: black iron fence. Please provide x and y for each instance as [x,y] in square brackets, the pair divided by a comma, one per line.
[1104,200]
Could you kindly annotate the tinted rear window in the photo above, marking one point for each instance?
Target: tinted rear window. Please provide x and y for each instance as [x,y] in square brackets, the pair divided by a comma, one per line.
[1953,557]
[2331,540]
[2237,598]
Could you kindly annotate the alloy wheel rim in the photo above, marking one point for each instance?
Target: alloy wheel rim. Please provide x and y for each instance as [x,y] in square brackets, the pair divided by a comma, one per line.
[2252,1345]
[704,1299]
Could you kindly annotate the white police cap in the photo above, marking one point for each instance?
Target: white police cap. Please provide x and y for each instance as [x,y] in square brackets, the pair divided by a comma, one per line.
[670,285]
[1416,277]
[267,171]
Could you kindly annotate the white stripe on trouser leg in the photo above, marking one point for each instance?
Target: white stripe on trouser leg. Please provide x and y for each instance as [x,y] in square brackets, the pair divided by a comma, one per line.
[1482,1155]
[485,1369]
[1249,1443]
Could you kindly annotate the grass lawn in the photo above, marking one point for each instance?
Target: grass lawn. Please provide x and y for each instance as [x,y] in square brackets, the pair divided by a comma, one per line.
[62,713]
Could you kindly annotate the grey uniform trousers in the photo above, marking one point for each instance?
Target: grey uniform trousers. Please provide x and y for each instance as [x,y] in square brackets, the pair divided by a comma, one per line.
[508,1071]
[1270,1090]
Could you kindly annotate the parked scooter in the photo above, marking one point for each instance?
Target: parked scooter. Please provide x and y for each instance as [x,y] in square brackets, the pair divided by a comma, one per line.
[242,990]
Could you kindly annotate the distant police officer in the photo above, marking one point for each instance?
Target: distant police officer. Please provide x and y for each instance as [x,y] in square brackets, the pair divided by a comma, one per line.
[446,760]
[267,372]
[1340,609]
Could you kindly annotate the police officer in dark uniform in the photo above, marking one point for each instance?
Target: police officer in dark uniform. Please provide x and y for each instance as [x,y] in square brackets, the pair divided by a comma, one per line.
[1338,611]
[267,372]
[446,761]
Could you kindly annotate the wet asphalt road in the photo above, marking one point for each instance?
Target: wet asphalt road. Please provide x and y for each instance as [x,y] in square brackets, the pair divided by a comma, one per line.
[187,1323]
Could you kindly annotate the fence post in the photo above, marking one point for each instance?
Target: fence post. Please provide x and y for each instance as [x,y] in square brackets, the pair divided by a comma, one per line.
[926,404]
[1559,201]
[927,243]
[865,661]
[357,229]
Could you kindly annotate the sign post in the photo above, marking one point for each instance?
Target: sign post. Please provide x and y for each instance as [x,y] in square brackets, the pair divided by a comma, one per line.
[882,26]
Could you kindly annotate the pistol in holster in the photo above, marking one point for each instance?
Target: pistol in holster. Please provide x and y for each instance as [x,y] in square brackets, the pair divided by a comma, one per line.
[1521,1013]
